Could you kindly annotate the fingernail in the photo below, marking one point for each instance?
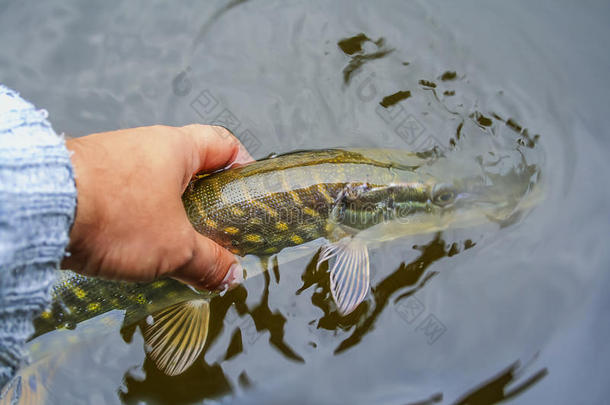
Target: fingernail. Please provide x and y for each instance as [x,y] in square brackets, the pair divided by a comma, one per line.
[234,277]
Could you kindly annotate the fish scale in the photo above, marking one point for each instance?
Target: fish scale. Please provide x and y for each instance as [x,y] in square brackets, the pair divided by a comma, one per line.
[280,204]
[77,298]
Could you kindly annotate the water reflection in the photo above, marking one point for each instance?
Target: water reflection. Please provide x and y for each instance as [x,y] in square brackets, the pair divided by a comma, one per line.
[433,399]
[264,319]
[496,389]
[204,380]
[407,276]
[199,382]
[356,49]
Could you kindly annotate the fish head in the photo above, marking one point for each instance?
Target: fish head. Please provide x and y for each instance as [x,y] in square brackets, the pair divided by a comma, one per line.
[445,193]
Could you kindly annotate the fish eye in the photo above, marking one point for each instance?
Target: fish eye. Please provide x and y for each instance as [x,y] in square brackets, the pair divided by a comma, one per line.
[443,195]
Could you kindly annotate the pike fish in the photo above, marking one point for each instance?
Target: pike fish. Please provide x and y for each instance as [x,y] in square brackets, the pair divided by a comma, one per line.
[344,200]
[350,199]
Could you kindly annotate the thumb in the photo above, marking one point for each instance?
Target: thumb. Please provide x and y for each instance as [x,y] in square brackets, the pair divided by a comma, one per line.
[216,147]
[211,267]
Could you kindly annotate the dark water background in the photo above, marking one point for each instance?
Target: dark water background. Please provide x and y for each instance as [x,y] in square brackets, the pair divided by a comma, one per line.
[469,315]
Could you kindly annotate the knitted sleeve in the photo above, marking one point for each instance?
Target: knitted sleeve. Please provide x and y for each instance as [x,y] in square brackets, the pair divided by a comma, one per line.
[37,203]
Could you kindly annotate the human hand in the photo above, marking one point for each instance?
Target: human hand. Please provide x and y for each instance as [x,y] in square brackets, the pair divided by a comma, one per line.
[130,222]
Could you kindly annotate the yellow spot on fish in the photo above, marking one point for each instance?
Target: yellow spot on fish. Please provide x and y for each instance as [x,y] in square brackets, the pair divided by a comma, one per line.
[281,226]
[158,284]
[296,197]
[211,223]
[310,211]
[80,294]
[264,207]
[237,211]
[309,229]
[93,306]
[140,299]
[231,230]
[256,221]
[328,227]
[296,239]
[171,294]
[270,250]
[252,237]
[277,239]
[46,315]
[324,193]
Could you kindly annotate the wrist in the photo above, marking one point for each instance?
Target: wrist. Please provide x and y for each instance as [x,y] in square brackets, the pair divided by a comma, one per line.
[82,215]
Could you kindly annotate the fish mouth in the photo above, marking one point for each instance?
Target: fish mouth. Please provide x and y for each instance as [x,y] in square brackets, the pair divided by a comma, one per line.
[497,200]
[481,201]
[473,206]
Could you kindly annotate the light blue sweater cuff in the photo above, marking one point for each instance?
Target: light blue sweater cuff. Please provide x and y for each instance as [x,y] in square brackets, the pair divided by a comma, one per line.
[37,203]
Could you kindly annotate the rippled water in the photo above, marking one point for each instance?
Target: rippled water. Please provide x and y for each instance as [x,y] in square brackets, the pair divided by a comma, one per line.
[466,316]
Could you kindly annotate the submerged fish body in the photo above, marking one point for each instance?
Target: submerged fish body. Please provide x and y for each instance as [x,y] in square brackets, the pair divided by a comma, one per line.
[347,199]
[350,199]
[173,317]
[77,298]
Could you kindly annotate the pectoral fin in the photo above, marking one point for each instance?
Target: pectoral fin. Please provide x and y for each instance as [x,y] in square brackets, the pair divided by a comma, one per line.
[349,272]
[175,336]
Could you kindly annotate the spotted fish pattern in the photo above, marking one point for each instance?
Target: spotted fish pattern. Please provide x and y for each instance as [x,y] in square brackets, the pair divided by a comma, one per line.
[280,202]
[77,298]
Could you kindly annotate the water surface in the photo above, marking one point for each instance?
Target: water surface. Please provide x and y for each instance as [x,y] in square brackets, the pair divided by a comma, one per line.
[465,316]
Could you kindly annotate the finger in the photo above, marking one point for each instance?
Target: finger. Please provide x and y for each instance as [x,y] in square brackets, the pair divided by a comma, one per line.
[216,146]
[243,157]
[212,267]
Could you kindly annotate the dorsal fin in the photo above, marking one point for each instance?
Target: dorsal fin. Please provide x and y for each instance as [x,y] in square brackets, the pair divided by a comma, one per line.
[377,157]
